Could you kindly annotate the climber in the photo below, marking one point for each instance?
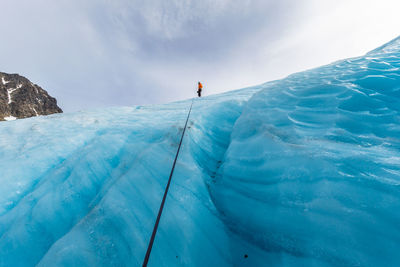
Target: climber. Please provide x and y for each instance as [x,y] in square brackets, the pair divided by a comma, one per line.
[200,87]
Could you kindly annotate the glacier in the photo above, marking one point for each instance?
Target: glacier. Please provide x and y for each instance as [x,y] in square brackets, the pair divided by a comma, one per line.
[303,171]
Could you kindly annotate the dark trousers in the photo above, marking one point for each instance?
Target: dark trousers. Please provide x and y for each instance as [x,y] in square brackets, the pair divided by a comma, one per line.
[199,92]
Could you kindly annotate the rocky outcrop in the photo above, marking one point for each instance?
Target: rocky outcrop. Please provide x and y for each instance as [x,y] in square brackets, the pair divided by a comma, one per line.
[20,98]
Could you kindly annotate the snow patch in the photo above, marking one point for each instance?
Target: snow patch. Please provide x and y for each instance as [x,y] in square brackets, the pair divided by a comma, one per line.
[9,92]
[4,81]
[35,111]
[10,118]
[34,86]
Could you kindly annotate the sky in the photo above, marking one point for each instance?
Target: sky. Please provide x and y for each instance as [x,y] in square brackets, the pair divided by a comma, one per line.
[100,53]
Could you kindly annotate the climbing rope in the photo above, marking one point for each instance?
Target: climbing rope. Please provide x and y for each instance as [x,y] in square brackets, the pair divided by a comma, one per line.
[153,235]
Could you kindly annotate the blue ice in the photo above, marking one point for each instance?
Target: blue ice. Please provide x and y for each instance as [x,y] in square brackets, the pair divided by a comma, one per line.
[303,171]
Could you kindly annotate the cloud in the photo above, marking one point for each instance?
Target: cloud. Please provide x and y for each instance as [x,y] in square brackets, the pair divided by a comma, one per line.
[172,44]
[98,53]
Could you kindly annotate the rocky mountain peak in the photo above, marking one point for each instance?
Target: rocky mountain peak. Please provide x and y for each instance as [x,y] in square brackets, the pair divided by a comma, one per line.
[20,98]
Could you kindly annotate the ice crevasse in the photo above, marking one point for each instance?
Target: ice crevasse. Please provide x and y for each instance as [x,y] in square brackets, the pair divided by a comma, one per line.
[303,171]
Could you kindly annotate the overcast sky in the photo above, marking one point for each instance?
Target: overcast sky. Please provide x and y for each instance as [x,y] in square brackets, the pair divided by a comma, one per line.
[98,53]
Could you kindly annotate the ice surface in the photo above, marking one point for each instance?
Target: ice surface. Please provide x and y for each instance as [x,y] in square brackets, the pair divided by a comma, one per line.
[302,171]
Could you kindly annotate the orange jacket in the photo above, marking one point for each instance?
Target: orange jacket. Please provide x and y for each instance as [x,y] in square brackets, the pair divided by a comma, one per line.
[200,86]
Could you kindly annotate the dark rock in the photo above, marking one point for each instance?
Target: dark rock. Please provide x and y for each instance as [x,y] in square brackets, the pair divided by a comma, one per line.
[20,98]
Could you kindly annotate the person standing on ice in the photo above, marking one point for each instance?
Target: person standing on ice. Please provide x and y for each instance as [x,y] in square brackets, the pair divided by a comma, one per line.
[200,88]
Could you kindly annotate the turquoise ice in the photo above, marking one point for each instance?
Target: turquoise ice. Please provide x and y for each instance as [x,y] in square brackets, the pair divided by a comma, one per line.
[303,171]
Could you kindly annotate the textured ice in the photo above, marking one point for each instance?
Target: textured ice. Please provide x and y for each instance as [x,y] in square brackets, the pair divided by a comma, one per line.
[303,171]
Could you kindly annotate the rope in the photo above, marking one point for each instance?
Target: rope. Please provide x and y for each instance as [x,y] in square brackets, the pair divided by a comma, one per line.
[153,235]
